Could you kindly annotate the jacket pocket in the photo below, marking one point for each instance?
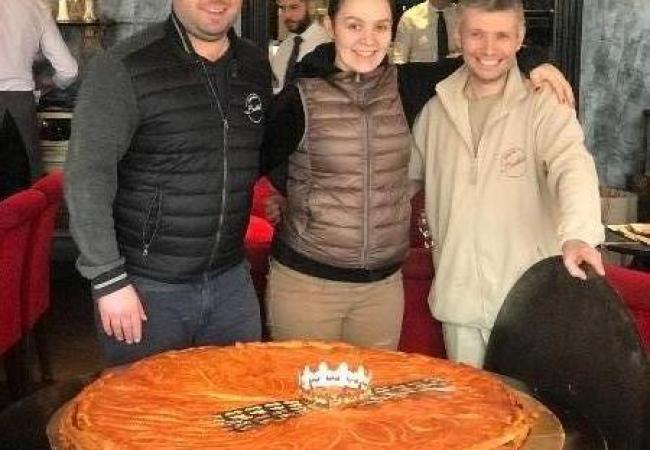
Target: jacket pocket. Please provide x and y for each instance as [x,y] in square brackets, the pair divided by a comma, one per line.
[151,224]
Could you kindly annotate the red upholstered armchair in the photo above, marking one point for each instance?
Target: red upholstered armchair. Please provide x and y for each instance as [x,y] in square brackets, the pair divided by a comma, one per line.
[17,214]
[633,287]
[36,282]
[421,333]
[36,277]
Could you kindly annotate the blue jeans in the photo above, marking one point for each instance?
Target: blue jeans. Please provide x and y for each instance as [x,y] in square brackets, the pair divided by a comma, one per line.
[219,310]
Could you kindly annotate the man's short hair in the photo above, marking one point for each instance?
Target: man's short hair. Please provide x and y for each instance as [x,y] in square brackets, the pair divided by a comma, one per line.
[494,5]
[277,2]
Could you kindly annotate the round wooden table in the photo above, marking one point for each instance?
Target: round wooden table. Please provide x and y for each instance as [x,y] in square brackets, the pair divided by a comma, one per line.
[547,432]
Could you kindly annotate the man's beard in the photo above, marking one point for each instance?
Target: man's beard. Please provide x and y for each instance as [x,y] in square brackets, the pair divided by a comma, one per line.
[301,26]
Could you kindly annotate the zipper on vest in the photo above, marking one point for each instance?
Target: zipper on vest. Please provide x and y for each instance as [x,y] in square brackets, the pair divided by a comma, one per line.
[224,179]
[224,173]
[366,194]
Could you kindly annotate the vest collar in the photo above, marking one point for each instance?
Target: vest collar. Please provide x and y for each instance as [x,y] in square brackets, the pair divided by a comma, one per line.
[361,89]
[363,81]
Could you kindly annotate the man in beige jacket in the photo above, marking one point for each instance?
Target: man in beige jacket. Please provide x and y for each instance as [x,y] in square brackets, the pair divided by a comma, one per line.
[507,178]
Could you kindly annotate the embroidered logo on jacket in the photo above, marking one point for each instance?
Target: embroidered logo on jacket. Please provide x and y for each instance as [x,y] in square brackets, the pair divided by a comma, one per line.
[513,162]
[254,108]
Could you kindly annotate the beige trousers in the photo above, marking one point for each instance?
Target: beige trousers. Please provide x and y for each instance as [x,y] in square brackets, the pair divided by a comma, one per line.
[301,306]
[465,344]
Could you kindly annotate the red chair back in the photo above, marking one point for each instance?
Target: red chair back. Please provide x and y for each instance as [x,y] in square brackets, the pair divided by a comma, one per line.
[633,287]
[421,332]
[261,191]
[259,235]
[36,281]
[17,214]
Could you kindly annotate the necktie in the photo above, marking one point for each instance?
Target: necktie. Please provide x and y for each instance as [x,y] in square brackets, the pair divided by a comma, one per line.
[443,43]
[291,65]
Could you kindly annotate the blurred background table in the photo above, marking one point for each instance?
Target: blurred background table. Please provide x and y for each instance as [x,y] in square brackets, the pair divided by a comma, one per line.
[639,252]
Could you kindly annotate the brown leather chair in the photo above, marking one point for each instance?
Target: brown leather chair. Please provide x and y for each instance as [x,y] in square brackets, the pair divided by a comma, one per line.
[575,345]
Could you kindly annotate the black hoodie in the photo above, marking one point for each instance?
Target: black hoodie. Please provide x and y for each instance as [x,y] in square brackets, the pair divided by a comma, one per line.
[286,117]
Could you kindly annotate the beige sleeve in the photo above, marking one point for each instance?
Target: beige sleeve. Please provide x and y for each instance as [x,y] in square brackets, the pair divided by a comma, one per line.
[571,173]
[402,42]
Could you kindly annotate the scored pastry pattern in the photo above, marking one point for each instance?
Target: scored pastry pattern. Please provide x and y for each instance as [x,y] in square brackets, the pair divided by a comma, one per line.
[169,401]
[244,419]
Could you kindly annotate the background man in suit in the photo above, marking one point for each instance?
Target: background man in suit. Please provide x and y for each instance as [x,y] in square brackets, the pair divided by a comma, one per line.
[304,35]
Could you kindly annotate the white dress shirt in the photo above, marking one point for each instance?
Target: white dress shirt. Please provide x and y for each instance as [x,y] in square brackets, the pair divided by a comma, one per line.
[27,27]
[416,37]
[312,37]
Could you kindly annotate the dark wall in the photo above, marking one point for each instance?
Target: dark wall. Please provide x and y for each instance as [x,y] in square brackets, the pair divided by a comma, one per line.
[615,84]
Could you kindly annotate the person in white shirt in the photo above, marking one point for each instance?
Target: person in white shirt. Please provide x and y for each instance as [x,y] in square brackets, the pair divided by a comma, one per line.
[27,30]
[304,36]
[425,32]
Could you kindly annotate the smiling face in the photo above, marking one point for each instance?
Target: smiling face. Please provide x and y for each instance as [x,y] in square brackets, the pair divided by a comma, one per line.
[206,21]
[361,30]
[489,41]
[294,14]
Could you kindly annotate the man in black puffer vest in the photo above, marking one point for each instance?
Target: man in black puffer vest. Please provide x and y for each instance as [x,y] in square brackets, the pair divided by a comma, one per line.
[163,156]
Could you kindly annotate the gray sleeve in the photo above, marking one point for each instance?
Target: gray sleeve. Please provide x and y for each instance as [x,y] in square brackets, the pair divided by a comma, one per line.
[105,119]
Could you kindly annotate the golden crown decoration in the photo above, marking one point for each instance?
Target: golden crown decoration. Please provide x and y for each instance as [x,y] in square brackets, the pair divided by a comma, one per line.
[325,388]
[335,387]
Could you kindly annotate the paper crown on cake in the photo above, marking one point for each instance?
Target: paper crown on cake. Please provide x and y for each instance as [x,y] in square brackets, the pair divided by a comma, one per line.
[341,377]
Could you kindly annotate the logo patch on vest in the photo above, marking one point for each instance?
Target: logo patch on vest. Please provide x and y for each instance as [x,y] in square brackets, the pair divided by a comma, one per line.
[254,108]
